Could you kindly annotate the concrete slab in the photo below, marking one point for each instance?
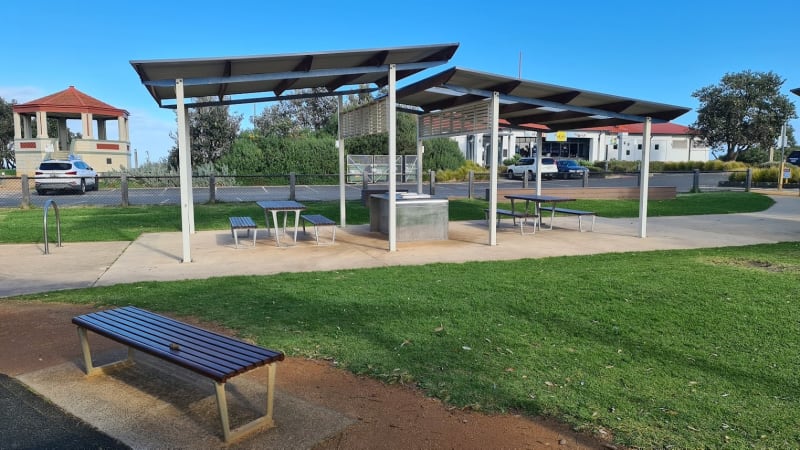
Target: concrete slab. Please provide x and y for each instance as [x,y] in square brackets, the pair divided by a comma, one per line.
[153,404]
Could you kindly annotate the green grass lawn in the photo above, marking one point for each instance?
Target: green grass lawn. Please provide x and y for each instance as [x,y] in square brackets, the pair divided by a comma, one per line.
[666,349]
[80,224]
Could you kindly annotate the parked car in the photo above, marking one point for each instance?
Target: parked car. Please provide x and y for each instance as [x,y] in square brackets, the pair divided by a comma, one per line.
[528,166]
[65,175]
[568,168]
[794,158]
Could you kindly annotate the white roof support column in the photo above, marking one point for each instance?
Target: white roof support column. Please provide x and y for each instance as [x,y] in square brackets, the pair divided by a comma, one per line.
[539,147]
[392,128]
[17,126]
[420,154]
[184,168]
[342,172]
[494,114]
[41,124]
[645,178]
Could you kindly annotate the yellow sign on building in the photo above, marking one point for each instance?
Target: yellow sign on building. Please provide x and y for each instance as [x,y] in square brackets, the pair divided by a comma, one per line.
[561,136]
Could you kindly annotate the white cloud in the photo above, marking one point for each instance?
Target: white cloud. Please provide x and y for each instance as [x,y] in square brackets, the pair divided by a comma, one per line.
[21,94]
[150,133]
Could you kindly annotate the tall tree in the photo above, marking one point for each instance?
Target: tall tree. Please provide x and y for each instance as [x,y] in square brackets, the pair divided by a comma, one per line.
[296,116]
[212,131]
[7,159]
[744,110]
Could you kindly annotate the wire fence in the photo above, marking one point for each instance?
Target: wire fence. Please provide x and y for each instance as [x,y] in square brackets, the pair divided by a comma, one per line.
[122,190]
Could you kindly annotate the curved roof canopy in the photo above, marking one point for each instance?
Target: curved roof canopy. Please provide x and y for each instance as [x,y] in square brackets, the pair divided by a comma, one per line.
[70,103]
[796,91]
[230,76]
[524,102]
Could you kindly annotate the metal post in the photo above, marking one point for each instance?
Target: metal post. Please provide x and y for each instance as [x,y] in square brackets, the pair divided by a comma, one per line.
[432,189]
[470,182]
[212,188]
[748,179]
[292,180]
[696,181]
[26,193]
[123,188]
[586,178]
[525,180]
[644,178]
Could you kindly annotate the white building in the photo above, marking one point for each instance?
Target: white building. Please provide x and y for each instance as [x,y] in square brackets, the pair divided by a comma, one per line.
[670,142]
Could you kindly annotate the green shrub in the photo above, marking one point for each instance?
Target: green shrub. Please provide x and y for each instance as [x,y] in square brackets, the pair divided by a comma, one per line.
[767,174]
[462,173]
[442,154]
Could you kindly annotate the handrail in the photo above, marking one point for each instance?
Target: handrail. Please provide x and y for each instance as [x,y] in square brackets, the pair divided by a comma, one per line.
[58,224]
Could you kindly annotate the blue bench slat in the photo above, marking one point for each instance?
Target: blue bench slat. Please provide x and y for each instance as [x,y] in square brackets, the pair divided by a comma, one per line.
[238,353]
[317,219]
[211,354]
[242,222]
[224,362]
[576,212]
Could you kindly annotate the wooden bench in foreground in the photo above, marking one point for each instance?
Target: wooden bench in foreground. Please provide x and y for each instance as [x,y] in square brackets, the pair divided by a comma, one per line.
[319,221]
[574,212]
[243,223]
[206,353]
[521,215]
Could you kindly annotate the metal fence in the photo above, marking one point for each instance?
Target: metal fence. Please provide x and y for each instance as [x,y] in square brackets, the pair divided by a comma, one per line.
[164,190]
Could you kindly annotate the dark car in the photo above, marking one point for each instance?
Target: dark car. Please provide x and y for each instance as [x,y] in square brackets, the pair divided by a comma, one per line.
[794,158]
[568,168]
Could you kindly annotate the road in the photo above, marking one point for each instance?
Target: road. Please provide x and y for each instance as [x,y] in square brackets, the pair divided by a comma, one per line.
[10,195]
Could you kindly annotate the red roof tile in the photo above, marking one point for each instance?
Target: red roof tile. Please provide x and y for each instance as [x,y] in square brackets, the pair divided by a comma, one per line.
[638,128]
[70,100]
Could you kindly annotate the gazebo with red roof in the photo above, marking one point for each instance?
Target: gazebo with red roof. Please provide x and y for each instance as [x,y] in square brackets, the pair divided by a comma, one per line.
[92,144]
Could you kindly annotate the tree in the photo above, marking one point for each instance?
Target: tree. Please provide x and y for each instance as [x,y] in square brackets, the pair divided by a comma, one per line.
[212,131]
[296,116]
[744,110]
[442,154]
[7,159]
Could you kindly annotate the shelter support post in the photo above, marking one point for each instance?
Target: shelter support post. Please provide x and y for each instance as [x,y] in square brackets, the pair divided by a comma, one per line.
[420,154]
[645,177]
[494,113]
[539,150]
[342,173]
[392,128]
[184,170]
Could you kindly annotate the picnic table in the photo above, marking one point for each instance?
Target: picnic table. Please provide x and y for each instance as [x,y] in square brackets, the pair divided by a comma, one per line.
[553,200]
[281,206]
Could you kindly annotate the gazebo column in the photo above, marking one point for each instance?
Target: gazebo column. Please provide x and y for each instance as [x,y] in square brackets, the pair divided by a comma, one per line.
[17,126]
[27,129]
[101,129]
[86,126]
[124,133]
[184,168]
[539,150]
[63,134]
[41,125]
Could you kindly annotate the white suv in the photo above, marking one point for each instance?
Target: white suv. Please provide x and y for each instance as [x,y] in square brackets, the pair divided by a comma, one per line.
[71,175]
[527,167]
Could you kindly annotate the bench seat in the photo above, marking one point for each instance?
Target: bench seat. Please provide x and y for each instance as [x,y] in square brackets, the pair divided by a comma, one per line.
[243,223]
[319,220]
[574,212]
[523,216]
[206,353]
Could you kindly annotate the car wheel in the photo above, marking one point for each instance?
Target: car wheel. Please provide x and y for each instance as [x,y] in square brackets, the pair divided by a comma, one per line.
[531,176]
[83,187]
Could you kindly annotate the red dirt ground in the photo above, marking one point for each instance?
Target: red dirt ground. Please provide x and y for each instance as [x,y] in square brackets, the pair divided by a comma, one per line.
[38,335]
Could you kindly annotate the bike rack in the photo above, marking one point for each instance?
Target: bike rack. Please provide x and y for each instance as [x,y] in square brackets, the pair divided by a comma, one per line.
[58,224]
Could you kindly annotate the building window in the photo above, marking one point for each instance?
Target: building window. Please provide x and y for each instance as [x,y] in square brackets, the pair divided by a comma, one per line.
[656,146]
[639,147]
[627,152]
[108,160]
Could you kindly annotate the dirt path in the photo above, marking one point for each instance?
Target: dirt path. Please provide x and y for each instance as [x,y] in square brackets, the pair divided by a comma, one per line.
[38,335]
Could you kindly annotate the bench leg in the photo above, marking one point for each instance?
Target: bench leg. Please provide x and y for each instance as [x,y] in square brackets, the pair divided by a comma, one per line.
[89,367]
[264,421]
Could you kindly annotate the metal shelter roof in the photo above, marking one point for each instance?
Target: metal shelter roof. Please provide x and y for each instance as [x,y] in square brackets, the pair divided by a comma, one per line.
[796,91]
[230,76]
[528,102]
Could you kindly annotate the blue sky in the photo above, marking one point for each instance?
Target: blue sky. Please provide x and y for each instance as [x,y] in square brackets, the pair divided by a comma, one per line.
[656,51]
